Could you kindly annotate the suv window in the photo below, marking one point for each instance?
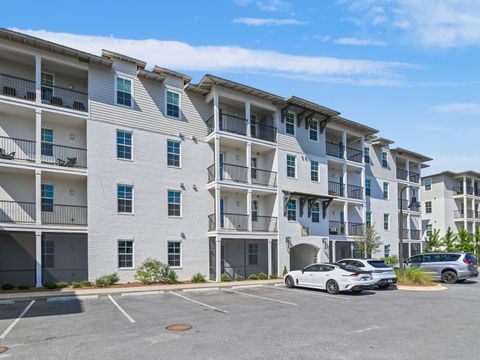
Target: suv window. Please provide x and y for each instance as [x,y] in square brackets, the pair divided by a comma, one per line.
[378,264]
[450,257]
[314,267]
[415,259]
[432,258]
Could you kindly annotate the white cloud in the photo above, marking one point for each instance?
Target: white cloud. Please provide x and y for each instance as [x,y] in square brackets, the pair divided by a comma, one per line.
[322,38]
[183,56]
[359,42]
[459,108]
[262,22]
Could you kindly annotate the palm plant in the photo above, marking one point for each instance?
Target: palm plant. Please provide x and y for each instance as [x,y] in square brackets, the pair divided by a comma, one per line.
[433,241]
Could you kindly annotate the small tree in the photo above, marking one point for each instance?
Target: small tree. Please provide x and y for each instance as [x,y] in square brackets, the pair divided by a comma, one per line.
[449,240]
[465,241]
[369,242]
[433,241]
[476,240]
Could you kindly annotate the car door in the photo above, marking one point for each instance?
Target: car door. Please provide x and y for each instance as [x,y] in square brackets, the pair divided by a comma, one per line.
[308,276]
[324,274]
[414,261]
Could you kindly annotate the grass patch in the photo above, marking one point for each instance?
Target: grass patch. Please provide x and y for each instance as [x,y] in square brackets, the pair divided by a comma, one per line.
[414,276]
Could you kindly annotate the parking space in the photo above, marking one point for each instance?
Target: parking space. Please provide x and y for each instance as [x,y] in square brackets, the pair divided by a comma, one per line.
[255,322]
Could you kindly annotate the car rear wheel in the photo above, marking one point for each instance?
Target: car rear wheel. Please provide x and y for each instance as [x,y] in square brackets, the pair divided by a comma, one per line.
[289,282]
[449,277]
[332,287]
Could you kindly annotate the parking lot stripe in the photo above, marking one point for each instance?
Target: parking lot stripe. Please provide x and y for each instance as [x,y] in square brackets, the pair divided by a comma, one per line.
[311,292]
[261,297]
[121,310]
[199,303]
[12,325]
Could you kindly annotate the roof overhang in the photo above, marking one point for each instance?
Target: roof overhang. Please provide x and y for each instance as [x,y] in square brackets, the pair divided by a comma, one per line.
[364,129]
[379,141]
[412,154]
[167,72]
[150,75]
[455,174]
[56,49]
[305,105]
[113,55]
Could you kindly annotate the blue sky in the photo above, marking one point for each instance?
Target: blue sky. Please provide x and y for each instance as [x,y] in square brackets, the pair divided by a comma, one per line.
[406,67]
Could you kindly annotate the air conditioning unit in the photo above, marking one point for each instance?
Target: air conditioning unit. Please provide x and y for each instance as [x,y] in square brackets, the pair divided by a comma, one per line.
[305,231]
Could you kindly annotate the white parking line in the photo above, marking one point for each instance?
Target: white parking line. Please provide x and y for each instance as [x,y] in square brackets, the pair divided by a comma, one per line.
[12,325]
[121,310]
[198,302]
[261,297]
[311,292]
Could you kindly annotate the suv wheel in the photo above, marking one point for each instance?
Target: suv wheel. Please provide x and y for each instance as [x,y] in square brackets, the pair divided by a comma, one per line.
[449,277]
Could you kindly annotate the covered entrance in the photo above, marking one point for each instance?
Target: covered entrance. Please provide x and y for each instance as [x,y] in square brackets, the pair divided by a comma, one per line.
[302,255]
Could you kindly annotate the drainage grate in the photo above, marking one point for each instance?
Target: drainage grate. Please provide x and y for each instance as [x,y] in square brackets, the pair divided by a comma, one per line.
[179,327]
[3,349]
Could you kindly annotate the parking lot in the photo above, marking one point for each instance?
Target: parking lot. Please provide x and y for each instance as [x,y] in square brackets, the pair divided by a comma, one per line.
[267,322]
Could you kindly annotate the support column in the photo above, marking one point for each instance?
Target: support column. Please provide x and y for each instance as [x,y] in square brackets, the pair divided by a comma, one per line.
[218,258]
[216,111]
[465,202]
[38,259]
[217,158]
[345,181]
[249,209]
[407,165]
[38,197]
[247,116]
[269,262]
[38,79]
[409,225]
[344,142]
[218,214]
[345,216]
[249,162]
[38,136]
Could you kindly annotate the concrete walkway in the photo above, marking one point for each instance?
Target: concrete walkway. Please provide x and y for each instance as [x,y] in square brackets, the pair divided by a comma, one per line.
[35,295]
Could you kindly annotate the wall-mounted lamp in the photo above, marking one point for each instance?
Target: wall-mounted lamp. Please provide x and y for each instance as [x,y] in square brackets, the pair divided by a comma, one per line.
[195,187]
[288,241]
[72,192]
[182,185]
[72,136]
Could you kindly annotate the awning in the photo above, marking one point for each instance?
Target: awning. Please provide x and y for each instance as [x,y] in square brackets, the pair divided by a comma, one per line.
[310,198]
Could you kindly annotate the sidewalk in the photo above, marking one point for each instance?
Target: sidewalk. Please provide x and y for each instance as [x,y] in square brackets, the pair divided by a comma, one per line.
[39,295]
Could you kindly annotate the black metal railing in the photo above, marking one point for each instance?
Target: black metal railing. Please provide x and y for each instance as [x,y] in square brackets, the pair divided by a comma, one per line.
[17,211]
[354,154]
[237,173]
[17,87]
[336,228]
[336,189]
[414,177]
[264,223]
[264,177]
[469,214]
[460,191]
[334,149]
[402,174]
[264,132]
[458,214]
[355,192]
[66,98]
[355,229]
[233,124]
[16,149]
[211,222]
[211,173]
[404,233]
[210,124]
[415,234]
[65,156]
[64,214]
[403,204]
[229,221]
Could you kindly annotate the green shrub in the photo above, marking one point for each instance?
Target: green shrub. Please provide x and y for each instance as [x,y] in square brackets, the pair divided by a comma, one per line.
[413,276]
[262,276]
[76,285]
[8,286]
[239,278]
[61,284]
[85,283]
[23,287]
[225,277]
[273,276]
[113,278]
[390,261]
[106,280]
[149,271]
[169,276]
[285,271]
[253,277]
[50,285]
[198,278]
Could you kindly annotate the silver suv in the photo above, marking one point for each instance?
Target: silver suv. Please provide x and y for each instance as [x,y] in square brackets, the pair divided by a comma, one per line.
[450,267]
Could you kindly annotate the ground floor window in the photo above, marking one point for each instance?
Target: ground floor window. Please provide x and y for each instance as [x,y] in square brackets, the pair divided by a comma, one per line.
[252,254]
[48,250]
[125,254]
[175,253]
[316,212]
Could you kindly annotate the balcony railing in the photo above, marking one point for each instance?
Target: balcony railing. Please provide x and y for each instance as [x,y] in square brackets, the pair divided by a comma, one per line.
[66,98]
[460,214]
[264,177]
[415,234]
[15,211]
[211,173]
[237,173]
[211,222]
[460,191]
[355,192]
[354,154]
[230,221]
[334,149]
[405,233]
[403,204]
[17,87]
[402,174]
[64,214]
[414,177]
[264,223]
[233,124]
[355,229]
[65,156]
[264,132]
[336,228]
[336,189]
[238,125]
[16,149]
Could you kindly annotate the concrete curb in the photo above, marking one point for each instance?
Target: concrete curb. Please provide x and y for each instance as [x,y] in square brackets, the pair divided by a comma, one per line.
[437,287]
[143,293]
[202,289]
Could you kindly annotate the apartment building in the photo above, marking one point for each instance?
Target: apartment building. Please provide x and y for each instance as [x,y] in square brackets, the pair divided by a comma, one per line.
[214,177]
[451,200]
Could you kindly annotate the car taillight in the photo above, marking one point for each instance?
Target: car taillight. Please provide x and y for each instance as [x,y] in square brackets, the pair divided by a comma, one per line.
[467,261]
[353,274]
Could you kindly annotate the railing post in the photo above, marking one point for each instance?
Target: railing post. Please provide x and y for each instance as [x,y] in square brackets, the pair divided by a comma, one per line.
[345,218]
[216,111]
[38,197]
[248,118]
[38,259]
[218,258]
[38,136]
[249,162]
[344,143]
[217,208]
[38,79]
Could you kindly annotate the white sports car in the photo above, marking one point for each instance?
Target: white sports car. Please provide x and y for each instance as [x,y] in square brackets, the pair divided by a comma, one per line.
[331,277]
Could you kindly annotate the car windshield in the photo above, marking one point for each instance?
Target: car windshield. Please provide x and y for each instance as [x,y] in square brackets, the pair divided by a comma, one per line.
[378,264]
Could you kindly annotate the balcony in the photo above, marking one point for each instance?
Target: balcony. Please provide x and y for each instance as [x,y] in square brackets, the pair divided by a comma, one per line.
[336,228]
[264,223]
[355,192]
[264,177]
[237,173]
[354,155]
[405,233]
[460,191]
[414,177]
[238,125]
[17,87]
[402,174]
[17,212]
[17,149]
[415,234]
[239,222]
[460,214]
[263,132]
[334,149]
[355,229]
[336,189]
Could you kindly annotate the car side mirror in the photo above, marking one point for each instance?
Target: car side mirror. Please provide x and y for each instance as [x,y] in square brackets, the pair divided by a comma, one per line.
[303,270]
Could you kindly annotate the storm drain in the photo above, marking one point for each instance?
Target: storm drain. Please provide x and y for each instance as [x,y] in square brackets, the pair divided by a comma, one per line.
[3,349]
[179,327]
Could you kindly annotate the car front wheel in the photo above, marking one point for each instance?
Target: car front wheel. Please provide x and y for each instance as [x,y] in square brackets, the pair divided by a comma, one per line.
[289,282]
[332,287]
[449,277]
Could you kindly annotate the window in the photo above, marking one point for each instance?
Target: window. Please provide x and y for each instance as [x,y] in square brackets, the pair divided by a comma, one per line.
[368,218]
[125,198]
[173,153]
[175,253]
[47,142]
[290,124]
[316,212]
[313,130]
[385,190]
[124,91]
[291,166]
[254,168]
[47,197]
[125,254]
[253,125]
[368,185]
[252,254]
[429,229]
[292,210]
[254,210]
[386,221]
[174,203]
[48,250]
[428,184]
[48,82]
[428,207]
[173,104]
[366,154]
[314,171]
[384,159]
[124,145]
[312,268]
